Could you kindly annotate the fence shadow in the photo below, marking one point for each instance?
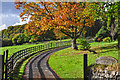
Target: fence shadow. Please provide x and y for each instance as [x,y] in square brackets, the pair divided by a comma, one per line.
[16,72]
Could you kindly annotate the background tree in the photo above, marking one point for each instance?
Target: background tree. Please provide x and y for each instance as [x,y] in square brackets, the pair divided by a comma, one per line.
[19,38]
[12,30]
[92,31]
[107,12]
[69,18]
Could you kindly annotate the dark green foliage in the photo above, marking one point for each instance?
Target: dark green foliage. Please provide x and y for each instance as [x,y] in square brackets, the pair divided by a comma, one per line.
[102,33]
[84,44]
[107,39]
[19,35]
[91,31]
[12,30]
[34,38]
[6,42]
[49,35]
[119,41]
[19,38]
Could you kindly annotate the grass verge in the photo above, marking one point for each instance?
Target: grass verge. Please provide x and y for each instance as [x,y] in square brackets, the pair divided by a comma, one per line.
[68,63]
[15,48]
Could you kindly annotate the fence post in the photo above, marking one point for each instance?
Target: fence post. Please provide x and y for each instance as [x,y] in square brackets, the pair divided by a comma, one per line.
[47,46]
[51,45]
[1,67]
[34,48]
[85,67]
[3,72]
[43,47]
[12,68]
[56,44]
[39,48]
[62,43]
[6,64]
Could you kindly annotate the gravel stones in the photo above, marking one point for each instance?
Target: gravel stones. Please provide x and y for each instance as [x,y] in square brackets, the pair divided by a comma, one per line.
[104,75]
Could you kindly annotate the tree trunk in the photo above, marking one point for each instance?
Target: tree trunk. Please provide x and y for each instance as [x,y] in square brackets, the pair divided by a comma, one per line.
[112,32]
[112,26]
[74,45]
[112,38]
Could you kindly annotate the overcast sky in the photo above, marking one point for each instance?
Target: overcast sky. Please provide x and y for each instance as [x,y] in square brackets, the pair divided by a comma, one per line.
[10,15]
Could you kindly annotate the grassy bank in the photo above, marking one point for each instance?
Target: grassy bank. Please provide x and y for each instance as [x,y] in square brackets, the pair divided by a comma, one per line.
[15,48]
[68,63]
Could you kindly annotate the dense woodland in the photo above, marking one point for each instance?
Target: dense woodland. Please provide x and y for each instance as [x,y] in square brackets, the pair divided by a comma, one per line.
[17,35]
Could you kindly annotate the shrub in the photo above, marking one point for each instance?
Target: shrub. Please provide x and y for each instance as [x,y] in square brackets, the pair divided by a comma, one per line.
[107,39]
[19,38]
[102,33]
[99,39]
[84,44]
[33,39]
[26,38]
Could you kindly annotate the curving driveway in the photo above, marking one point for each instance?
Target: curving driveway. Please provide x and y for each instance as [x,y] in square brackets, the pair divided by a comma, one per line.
[38,69]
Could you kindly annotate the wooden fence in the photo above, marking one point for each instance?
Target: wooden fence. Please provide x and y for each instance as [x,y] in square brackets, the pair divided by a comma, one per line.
[8,64]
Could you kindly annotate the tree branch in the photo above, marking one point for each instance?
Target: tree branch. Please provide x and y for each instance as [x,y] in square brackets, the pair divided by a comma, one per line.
[81,30]
[66,34]
[34,8]
[48,11]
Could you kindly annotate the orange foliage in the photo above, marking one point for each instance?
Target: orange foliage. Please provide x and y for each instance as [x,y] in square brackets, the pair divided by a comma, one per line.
[66,17]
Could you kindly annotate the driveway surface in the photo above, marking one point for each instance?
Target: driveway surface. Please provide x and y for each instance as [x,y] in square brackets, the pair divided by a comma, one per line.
[38,68]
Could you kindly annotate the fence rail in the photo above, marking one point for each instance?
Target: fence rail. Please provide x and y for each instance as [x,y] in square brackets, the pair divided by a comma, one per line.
[10,63]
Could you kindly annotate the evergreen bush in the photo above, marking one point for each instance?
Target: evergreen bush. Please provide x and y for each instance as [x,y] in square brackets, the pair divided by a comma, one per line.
[84,44]
[107,39]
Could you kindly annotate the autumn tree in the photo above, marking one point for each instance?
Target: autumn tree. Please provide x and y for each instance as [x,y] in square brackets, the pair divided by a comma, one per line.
[70,18]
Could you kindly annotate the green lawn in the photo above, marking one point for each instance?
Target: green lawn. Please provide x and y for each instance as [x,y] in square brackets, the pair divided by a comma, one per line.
[68,63]
[13,49]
